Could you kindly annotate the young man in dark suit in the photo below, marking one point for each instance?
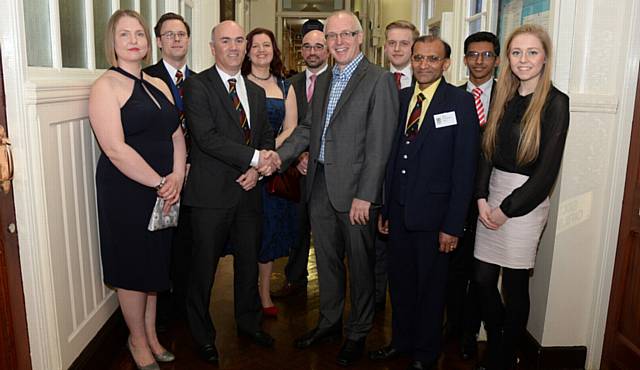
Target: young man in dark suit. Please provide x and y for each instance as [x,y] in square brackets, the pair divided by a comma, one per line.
[348,134]
[428,188]
[314,54]
[229,132]
[173,39]
[481,56]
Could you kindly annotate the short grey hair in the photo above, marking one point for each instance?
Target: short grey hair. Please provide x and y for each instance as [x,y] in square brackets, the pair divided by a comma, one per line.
[348,13]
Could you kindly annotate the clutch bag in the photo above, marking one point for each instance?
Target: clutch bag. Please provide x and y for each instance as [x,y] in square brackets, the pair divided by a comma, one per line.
[159,221]
[285,185]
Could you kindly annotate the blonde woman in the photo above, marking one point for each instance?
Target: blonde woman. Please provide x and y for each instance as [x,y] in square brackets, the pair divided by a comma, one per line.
[522,150]
[143,157]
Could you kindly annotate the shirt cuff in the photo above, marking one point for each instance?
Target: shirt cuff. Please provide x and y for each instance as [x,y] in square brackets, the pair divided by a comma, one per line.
[256,158]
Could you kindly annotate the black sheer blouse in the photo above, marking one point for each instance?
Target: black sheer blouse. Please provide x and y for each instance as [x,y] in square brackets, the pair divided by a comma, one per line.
[544,170]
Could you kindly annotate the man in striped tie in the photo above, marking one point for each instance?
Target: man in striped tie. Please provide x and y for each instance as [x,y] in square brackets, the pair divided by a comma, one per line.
[428,188]
[481,56]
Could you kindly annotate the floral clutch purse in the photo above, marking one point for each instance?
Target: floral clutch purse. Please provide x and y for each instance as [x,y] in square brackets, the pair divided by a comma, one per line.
[159,221]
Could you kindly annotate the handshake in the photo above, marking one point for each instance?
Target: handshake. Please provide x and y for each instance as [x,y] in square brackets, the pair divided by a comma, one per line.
[268,163]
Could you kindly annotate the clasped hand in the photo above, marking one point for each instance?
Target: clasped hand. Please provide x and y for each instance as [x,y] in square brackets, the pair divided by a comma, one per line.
[491,218]
[268,163]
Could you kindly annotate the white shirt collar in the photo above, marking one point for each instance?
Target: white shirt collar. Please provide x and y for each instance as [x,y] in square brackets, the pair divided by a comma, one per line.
[172,70]
[241,89]
[407,75]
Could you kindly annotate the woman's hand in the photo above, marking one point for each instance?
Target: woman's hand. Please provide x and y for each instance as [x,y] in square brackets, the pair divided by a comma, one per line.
[484,214]
[498,217]
[171,189]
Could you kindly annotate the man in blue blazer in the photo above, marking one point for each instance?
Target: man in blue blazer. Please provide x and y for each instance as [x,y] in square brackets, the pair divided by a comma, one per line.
[428,186]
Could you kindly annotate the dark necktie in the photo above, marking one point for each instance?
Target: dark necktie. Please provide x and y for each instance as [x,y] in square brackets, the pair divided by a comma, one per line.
[398,77]
[412,128]
[244,124]
[180,87]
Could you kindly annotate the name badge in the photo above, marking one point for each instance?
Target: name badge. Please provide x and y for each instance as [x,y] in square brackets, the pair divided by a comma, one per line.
[445,119]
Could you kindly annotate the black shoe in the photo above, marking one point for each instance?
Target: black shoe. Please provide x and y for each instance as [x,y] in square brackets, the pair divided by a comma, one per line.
[316,336]
[422,365]
[208,353]
[259,337]
[468,346]
[384,353]
[288,290]
[350,352]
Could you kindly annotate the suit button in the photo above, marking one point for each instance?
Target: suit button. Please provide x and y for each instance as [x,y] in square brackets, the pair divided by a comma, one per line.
[405,156]
[403,172]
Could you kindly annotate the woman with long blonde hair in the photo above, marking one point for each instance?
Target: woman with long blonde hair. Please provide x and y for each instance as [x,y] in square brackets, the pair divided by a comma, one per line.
[521,154]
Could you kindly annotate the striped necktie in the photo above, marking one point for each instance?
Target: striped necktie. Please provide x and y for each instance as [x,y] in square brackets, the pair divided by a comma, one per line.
[244,123]
[412,128]
[477,93]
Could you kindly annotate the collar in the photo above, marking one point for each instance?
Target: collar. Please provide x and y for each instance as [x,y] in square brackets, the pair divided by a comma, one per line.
[172,70]
[308,73]
[485,87]
[429,91]
[225,77]
[349,69]
[406,71]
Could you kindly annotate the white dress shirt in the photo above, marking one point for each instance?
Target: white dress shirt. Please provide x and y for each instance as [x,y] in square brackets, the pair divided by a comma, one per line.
[485,98]
[172,70]
[407,75]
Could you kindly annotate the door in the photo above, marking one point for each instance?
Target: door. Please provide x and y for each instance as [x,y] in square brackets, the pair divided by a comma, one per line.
[14,342]
[622,336]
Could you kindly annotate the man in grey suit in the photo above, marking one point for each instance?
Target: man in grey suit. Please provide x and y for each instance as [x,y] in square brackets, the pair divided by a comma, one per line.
[314,53]
[348,129]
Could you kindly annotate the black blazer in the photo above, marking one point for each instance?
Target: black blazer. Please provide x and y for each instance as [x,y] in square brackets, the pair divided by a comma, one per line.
[160,71]
[299,83]
[218,152]
[441,163]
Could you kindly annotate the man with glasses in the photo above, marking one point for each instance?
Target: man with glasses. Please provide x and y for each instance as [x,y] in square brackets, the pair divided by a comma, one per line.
[314,54]
[173,39]
[428,187]
[482,50]
[229,130]
[348,130]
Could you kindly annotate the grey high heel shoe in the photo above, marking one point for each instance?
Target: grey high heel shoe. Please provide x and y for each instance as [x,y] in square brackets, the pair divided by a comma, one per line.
[151,366]
[165,356]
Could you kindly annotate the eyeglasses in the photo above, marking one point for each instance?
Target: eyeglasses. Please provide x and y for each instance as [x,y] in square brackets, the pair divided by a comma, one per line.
[316,47]
[170,35]
[431,59]
[346,35]
[476,55]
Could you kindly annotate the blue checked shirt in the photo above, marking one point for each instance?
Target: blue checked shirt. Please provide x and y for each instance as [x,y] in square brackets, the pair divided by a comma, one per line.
[339,81]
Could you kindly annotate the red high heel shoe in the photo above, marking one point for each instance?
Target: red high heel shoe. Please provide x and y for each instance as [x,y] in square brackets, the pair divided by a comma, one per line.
[270,311]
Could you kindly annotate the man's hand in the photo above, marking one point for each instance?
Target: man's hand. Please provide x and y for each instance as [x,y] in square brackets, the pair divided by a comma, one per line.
[484,214]
[248,180]
[269,162]
[383,226]
[359,214]
[303,161]
[448,243]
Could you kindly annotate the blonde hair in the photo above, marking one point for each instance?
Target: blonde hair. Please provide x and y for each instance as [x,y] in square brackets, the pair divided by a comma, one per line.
[110,35]
[404,25]
[507,86]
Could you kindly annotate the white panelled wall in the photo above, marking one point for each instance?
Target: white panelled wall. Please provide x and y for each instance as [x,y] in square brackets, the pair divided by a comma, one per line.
[597,59]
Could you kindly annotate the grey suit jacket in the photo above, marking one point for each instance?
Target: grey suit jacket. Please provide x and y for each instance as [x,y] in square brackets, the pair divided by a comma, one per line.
[358,138]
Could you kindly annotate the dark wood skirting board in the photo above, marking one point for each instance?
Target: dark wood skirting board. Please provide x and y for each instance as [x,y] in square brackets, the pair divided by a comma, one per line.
[109,340]
[544,358]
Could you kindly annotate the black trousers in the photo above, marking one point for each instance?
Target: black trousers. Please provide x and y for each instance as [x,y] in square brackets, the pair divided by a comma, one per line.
[417,284]
[505,322]
[335,238]
[296,268]
[242,225]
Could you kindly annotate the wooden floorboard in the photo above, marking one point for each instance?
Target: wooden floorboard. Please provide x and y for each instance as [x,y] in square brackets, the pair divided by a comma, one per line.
[296,316]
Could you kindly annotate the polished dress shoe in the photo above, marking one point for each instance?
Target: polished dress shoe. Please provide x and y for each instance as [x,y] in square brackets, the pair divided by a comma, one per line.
[165,356]
[271,311]
[422,365]
[384,353]
[317,336]
[152,366]
[209,353]
[289,289]
[350,352]
[259,337]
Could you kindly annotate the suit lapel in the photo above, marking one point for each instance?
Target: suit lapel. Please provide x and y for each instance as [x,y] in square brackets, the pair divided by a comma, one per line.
[358,74]
[435,106]
[253,107]
[223,95]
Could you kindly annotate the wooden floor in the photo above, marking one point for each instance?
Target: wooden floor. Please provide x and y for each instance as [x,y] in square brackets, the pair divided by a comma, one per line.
[296,316]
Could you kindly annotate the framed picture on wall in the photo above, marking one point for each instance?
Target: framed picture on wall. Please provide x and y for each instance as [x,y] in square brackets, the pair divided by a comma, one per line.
[227,10]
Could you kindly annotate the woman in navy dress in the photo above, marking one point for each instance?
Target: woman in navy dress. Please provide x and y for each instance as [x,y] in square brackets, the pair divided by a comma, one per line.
[143,157]
[263,66]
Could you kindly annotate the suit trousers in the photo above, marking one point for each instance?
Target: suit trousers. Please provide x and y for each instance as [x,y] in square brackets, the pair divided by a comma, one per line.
[296,268]
[381,269]
[334,236]
[212,227]
[417,284]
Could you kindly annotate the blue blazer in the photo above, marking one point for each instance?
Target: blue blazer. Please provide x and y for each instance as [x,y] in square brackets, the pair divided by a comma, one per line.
[440,165]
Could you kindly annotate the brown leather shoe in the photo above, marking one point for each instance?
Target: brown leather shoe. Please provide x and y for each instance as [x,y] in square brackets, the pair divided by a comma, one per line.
[288,290]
